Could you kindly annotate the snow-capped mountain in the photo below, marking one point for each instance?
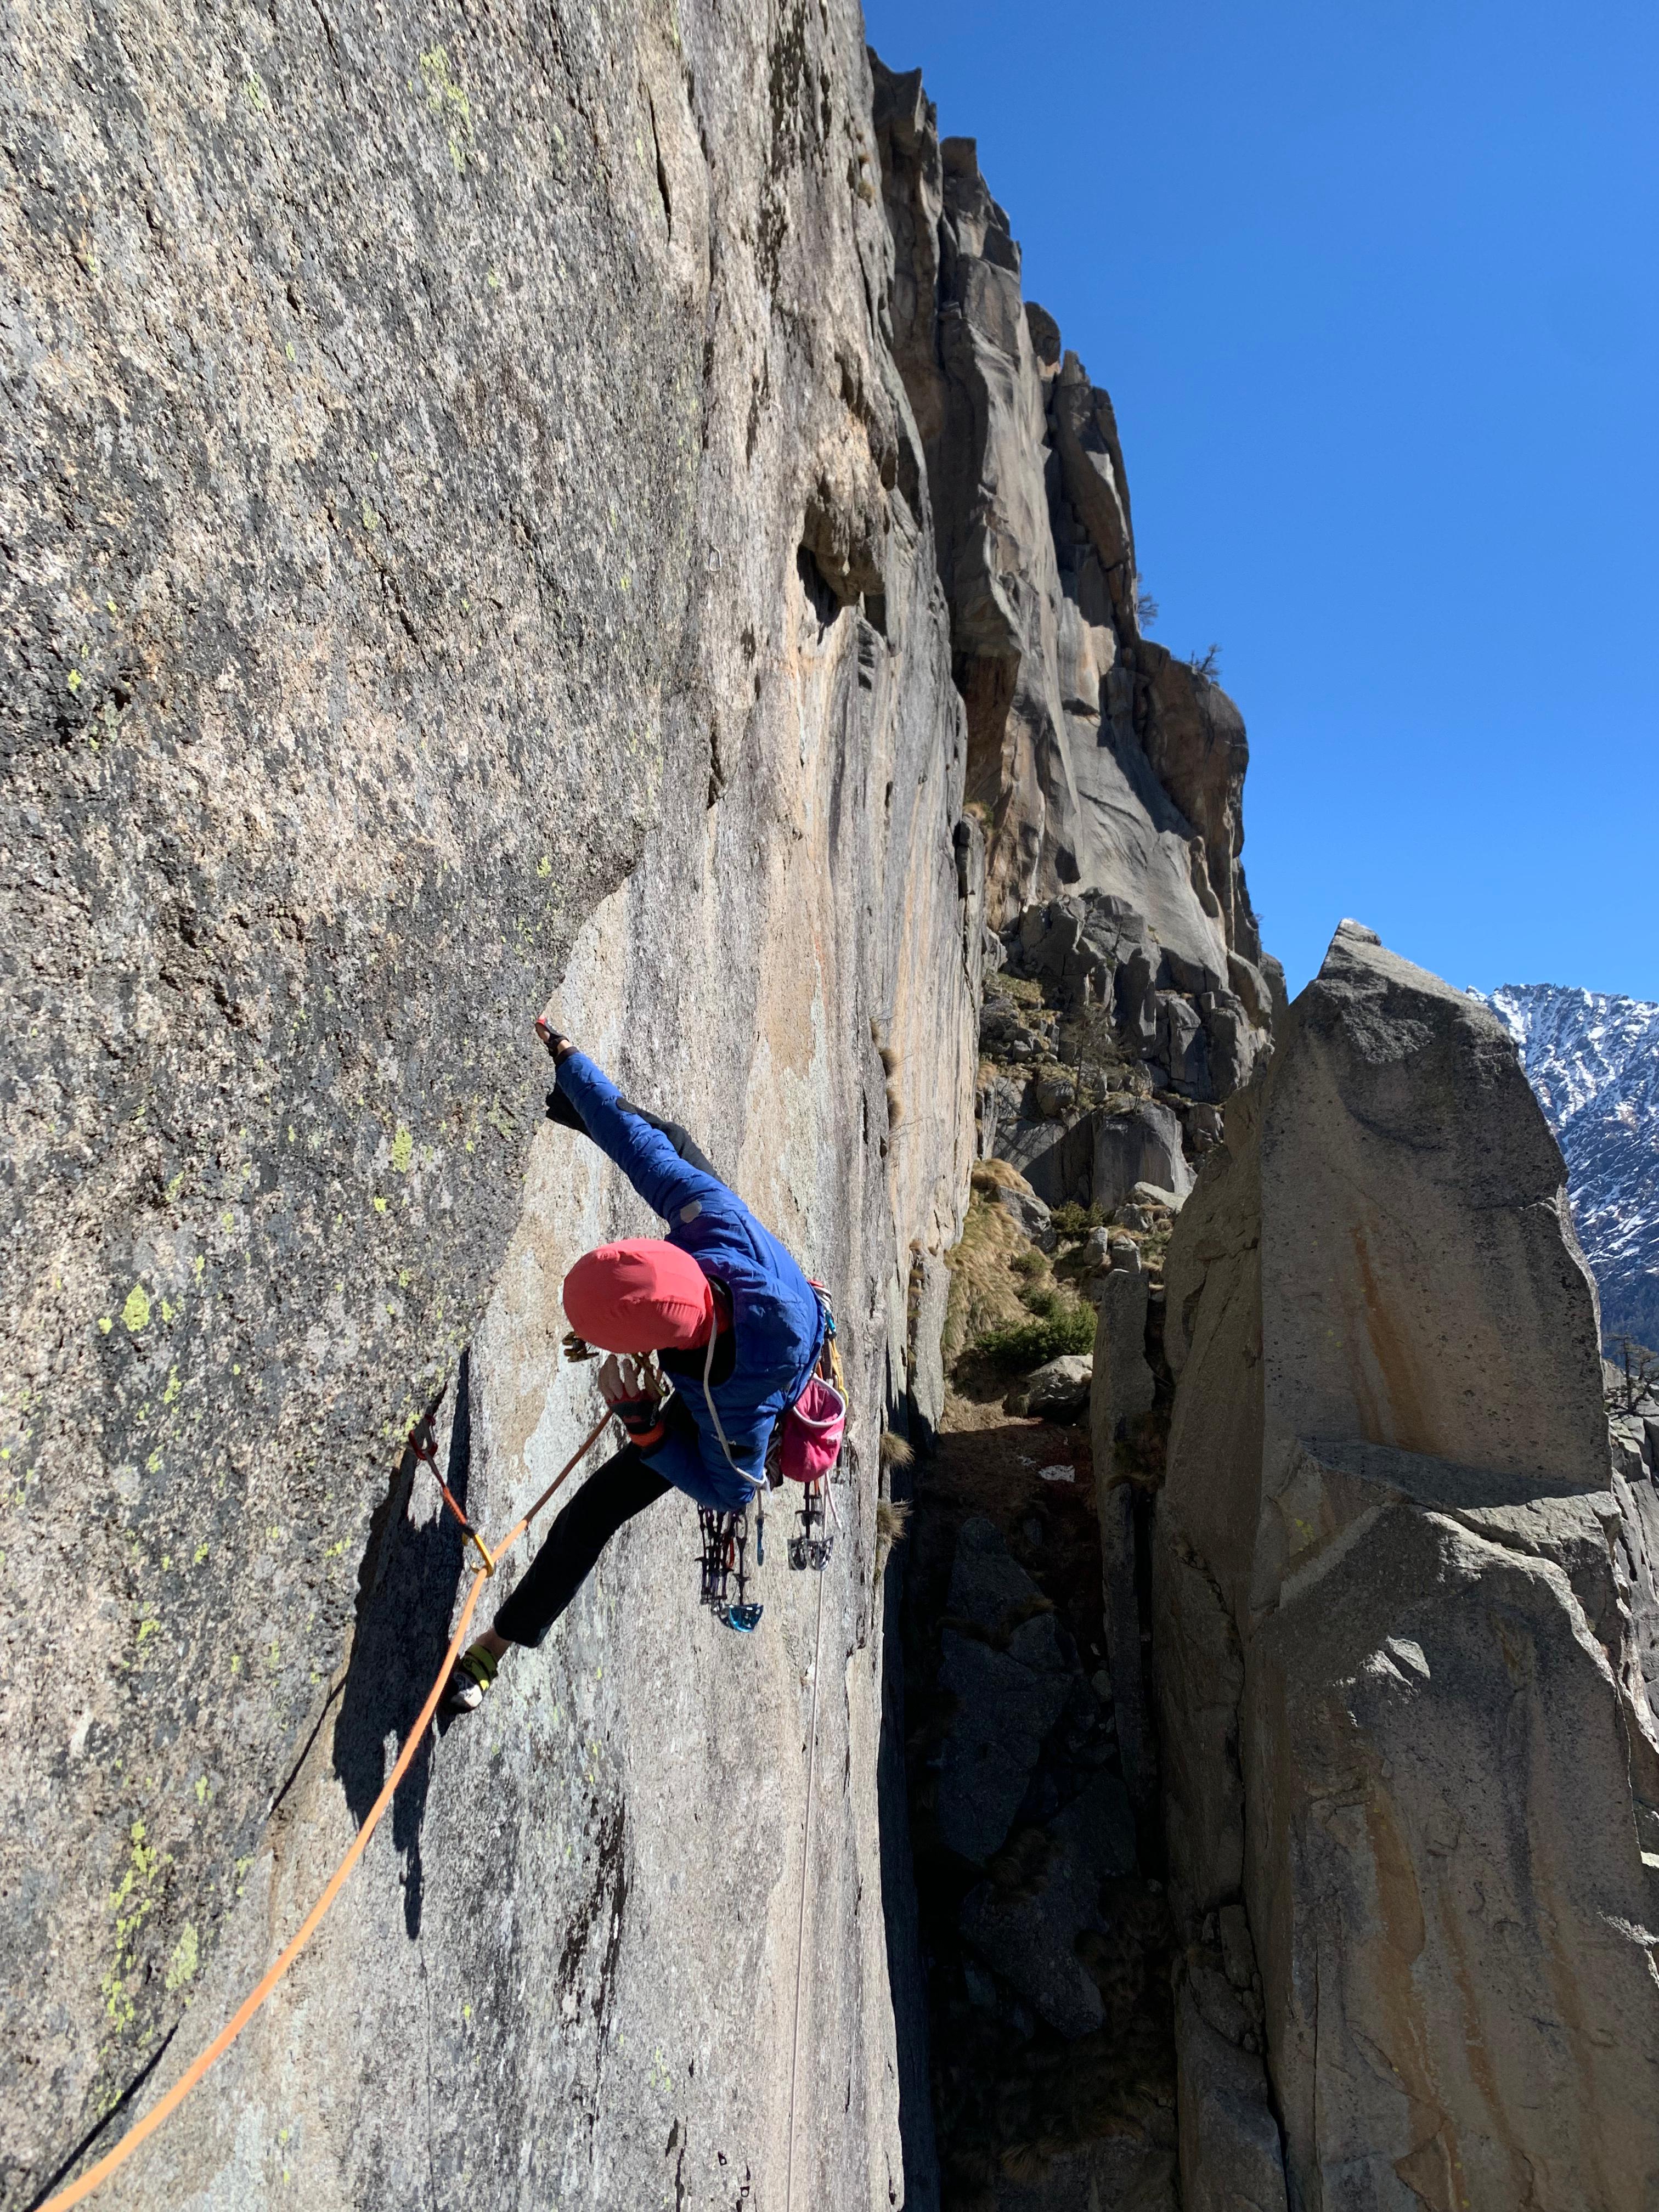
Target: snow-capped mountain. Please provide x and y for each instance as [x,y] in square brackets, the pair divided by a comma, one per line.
[1594,1062]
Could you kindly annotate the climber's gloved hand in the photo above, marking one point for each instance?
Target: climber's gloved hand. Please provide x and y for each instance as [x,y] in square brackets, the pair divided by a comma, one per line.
[633,1390]
[560,1110]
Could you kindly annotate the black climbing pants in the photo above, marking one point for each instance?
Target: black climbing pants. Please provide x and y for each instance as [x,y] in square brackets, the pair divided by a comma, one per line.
[624,1486]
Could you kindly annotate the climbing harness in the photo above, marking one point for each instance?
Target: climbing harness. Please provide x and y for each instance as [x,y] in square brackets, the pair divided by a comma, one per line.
[804,1449]
[725,1535]
[82,2188]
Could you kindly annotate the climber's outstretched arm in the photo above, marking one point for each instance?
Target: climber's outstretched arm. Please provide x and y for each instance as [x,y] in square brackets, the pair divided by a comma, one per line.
[666,1183]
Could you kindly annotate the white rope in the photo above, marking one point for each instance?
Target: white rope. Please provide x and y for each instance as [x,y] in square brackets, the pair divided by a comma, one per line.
[805,1875]
[756,1482]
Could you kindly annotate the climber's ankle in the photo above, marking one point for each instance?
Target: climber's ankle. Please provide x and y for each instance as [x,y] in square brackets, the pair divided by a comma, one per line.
[496,1646]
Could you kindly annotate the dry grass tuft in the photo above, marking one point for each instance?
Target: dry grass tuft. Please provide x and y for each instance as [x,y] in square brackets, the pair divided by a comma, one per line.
[892,1522]
[984,1289]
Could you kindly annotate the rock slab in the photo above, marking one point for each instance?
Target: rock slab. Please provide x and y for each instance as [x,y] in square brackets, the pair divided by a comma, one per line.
[456,543]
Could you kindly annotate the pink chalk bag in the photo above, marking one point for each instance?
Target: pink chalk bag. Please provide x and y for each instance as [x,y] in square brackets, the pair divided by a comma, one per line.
[813,1429]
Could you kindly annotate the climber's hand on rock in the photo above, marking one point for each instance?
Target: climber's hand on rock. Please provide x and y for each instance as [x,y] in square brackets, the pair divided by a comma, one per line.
[624,1376]
[633,1391]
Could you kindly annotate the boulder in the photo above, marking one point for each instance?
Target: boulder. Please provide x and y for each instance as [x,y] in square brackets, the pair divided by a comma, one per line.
[1027,1208]
[1182,1046]
[1000,1023]
[1055,1156]
[1141,1146]
[1059,1388]
[1029,1933]
[1052,1095]
[1135,1000]
[997,1105]
[1236,1045]
[1231,2158]
[1252,988]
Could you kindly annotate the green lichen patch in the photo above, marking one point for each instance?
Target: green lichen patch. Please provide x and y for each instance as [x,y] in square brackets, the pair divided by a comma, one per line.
[446,99]
[181,1967]
[131,1902]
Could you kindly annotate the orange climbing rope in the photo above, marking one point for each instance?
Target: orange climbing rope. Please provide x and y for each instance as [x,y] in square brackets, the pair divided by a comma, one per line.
[181,2088]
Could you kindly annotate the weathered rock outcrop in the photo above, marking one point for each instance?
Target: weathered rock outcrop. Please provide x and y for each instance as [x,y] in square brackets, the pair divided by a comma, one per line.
[1404,1615]
[1102,762]
[1110,775]
[457,536]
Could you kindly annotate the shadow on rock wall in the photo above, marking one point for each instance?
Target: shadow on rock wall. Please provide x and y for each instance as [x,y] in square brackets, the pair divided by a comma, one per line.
[406,1595]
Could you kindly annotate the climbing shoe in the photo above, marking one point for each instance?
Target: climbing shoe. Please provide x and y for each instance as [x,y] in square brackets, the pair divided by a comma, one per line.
[475,1670]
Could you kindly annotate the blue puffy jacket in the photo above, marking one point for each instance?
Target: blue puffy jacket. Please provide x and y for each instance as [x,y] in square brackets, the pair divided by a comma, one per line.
[777,1321]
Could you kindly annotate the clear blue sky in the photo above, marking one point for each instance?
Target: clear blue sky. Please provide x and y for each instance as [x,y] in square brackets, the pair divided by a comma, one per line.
[1373,287]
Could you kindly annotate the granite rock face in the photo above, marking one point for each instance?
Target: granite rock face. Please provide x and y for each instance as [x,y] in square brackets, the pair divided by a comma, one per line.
[456,539]
[1404,1621]
[1110,773]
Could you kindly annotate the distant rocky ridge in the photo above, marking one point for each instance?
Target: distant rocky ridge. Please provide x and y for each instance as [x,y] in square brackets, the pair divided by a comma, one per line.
[1102,761]
[1108,774]
[1593,1060]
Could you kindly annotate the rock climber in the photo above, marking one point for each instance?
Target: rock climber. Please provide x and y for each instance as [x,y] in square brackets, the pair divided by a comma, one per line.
[710,1333]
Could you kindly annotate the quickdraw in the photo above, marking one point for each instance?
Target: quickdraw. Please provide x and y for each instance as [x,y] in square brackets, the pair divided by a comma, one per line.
[810,1545]
[424,1445]
[726,1561]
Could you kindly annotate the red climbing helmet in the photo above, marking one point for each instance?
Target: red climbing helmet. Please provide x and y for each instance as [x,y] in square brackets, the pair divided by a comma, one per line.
[641,1295]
